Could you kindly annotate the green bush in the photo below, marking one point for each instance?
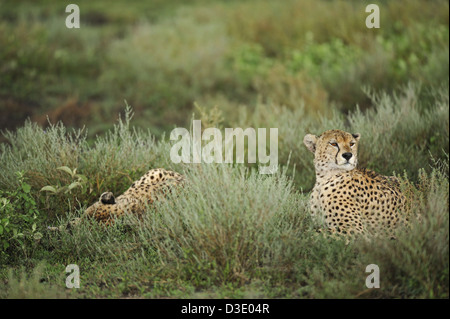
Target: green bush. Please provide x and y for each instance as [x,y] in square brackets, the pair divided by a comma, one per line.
[19,219]
[230,231]
[112,163]
[416,264]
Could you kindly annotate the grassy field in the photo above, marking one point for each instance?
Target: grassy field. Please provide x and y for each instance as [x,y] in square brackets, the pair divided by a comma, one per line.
[299,66]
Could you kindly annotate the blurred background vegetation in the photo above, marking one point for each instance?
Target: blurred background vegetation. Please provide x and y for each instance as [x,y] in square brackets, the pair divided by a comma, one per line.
[300,66]
[162,56]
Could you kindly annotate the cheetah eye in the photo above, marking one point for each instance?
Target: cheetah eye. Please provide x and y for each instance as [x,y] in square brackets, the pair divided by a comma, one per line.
[334,144]
[351,144]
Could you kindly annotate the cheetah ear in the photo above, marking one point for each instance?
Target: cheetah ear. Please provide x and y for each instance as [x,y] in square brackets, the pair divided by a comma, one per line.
[310,141]
[356,136]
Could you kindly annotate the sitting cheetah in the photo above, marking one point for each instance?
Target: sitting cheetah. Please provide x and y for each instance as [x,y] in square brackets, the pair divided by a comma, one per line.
[351,200]
[136,199]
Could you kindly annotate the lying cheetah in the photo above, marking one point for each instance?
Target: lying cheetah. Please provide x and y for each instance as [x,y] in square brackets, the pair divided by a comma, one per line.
[351,200]
[151,186]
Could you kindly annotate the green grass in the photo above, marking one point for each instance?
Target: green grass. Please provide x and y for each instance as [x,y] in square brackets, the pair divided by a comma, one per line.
[299,66]
[240,234]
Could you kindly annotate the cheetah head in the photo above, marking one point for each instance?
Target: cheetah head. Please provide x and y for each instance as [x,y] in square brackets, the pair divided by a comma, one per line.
[333,150]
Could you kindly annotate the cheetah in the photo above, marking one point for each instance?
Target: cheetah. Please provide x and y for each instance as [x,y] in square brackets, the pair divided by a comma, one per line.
[348,199]
[151,186]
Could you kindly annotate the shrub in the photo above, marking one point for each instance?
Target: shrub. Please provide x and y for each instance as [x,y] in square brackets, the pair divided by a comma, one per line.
[19,218]
[45,157]
[416,264]
[228,232]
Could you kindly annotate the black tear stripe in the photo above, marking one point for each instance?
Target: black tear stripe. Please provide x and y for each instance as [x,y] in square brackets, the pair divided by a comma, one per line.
[335,158]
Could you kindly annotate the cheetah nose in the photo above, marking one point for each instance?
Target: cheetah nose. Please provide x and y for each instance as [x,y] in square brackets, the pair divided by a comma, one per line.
[347,155]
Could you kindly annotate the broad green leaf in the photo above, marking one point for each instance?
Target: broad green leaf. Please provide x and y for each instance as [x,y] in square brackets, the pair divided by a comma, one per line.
[48,189]
[26,188]
[66,169]
[73,185]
